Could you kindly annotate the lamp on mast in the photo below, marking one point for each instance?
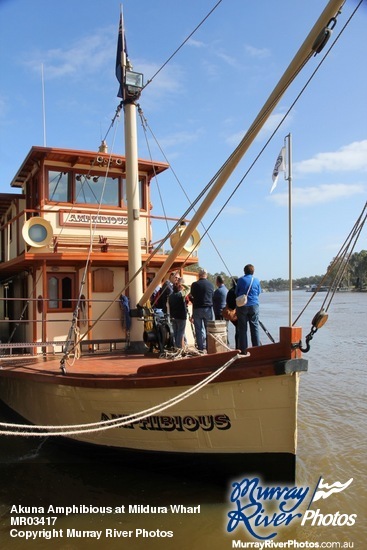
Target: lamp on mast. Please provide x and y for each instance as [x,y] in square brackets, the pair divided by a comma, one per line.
[133,85]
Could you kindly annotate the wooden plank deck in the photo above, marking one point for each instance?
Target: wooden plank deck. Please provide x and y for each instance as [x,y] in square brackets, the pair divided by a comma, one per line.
[118,364]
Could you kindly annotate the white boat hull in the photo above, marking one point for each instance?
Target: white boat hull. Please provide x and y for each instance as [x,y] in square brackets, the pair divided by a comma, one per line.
[248,416]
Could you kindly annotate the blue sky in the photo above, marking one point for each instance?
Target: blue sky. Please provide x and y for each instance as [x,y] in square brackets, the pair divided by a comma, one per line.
[198,109]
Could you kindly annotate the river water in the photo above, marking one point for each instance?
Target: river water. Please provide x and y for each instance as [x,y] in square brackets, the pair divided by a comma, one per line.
[331,445]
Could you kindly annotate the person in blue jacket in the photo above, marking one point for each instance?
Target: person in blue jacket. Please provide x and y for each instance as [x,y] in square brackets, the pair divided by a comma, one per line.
[249,313]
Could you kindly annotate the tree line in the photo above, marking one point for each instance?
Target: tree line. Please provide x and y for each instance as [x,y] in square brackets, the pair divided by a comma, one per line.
[354,275]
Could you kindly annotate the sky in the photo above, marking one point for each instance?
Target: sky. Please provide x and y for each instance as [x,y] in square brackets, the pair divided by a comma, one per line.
[58,88]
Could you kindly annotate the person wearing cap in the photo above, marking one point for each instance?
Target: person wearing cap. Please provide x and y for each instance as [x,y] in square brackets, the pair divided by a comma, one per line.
[201,296]
[178,310]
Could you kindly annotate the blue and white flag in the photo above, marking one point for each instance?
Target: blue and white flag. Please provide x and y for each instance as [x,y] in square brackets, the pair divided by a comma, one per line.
[324,490]
[279,167]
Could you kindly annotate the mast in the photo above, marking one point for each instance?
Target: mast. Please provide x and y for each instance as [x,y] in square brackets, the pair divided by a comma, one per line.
[314,43]
[130,89]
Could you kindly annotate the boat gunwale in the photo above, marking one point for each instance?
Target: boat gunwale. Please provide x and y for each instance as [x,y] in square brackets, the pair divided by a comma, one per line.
[261,362]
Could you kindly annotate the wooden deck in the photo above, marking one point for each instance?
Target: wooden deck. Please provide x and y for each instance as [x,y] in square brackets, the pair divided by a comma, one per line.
[123,370]
[119,364]
[119,371]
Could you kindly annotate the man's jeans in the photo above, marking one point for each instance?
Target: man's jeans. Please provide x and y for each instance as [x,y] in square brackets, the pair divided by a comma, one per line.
[179,326]
[248,314]
[201,316]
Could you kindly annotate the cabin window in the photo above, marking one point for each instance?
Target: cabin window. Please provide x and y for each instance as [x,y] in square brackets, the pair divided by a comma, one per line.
[142,193]
[60,291]
[97,189]
[92,189]
[59,186]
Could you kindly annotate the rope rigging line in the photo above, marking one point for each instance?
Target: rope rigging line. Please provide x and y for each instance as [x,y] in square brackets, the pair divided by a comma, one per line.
[115,422]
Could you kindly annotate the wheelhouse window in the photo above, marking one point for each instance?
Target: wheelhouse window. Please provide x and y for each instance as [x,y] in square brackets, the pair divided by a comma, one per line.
[61,291]
[142,193]
[97,189]
[92,189]
[59,189]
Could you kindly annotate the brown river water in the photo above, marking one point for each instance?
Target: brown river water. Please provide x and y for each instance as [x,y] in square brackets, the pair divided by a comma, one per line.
[93,489]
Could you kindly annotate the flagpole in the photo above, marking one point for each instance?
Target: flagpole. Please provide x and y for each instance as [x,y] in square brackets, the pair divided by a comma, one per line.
[43,106]
[288,139]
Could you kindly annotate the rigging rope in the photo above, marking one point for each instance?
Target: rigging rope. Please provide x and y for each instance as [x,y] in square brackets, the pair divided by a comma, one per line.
[115,422]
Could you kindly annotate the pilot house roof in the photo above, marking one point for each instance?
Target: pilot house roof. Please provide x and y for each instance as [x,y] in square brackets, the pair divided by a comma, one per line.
[72,157]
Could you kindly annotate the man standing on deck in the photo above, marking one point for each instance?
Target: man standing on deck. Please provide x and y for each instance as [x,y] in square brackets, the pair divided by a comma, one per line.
[249,313]
[202,300]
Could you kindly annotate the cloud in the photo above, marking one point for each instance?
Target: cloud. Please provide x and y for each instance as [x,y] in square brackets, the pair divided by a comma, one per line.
[234,211]
[216,52]
[259,53]
[347,158]
[196,43]
[85,56]
[179,139]
[167,81]
[309,196]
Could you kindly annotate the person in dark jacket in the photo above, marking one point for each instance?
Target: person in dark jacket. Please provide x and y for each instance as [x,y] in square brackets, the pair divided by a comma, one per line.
[201,297]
